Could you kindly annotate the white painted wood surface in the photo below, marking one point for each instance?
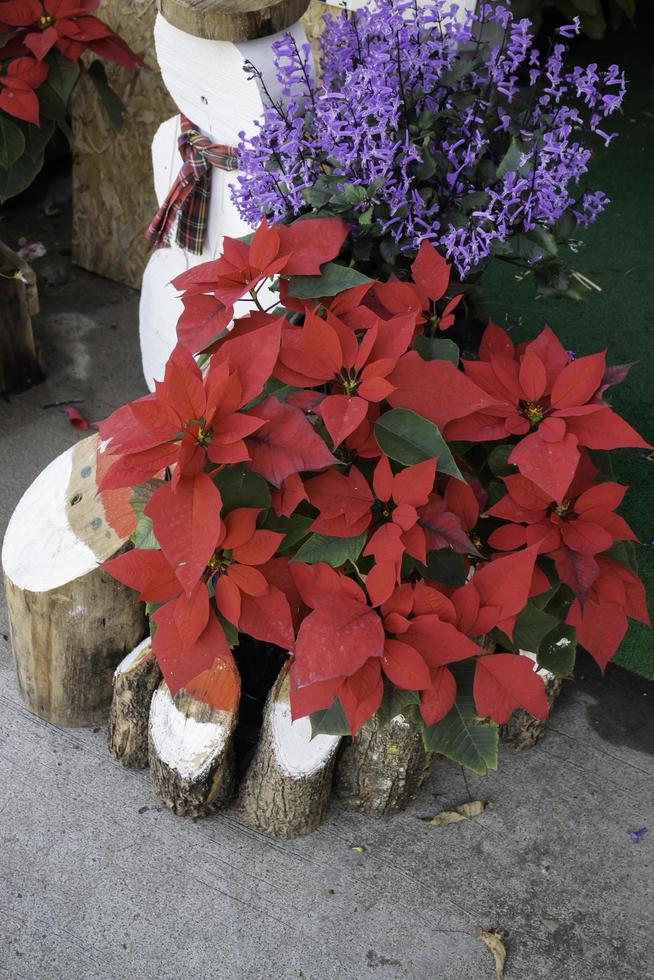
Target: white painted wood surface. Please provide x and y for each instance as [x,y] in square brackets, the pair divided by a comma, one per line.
[208,82]
[296,752]
[188,746]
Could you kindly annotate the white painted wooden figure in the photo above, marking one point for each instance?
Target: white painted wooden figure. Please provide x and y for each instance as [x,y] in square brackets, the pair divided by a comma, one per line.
[208,83]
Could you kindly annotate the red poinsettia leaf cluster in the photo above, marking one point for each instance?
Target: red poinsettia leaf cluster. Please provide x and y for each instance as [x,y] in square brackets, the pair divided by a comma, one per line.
[334,542]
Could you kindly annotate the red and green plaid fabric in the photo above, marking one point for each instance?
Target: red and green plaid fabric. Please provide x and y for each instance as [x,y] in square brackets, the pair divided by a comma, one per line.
[183,215]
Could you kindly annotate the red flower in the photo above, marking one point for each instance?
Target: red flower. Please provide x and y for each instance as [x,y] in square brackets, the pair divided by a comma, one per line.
[326,351]
[431,278]
[554,404]
[190,418]
[17,95]
[294,250]
[243,595]
[601,623]
[344,502]
[67,26]
[571,533]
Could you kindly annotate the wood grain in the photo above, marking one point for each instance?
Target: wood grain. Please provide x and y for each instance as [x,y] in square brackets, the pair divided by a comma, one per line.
[232,20]
[113,197]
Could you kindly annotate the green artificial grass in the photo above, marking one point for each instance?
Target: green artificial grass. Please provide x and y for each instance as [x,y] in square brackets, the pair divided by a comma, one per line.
[619,256]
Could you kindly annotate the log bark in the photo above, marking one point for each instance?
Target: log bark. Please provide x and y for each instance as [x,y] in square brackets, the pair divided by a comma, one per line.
[136,678]
[21,363]
[285,792]
[382,770]
[191,753]
[71,623]
[522,730]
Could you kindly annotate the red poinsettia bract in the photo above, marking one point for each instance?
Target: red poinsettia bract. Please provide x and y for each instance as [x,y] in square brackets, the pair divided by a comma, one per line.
[65,25]
[17,85]
[344,647]
[552,404]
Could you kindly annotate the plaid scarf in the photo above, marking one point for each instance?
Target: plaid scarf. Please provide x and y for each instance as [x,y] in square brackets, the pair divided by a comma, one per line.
[189,196]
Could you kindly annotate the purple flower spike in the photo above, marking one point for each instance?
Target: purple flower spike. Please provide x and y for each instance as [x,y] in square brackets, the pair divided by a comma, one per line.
[635,836]
[570,30]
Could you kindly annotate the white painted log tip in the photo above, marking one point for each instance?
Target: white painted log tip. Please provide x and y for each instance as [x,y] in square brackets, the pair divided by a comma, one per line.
[187,746]
[297,752]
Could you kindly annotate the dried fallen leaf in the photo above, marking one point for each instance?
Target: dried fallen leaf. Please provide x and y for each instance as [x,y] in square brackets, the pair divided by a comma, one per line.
[466,811]
[494,942]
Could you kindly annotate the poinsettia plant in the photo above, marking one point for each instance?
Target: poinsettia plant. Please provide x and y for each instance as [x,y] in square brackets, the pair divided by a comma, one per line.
[41,47]
[322,474]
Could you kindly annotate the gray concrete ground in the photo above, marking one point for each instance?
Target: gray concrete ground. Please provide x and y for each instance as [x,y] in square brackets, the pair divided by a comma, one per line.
[98,881]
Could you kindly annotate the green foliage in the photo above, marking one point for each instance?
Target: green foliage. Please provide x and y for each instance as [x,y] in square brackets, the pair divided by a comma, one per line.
[462,736]
[332,280]
[333,551]
[436,349]
[409,439]
[112,103]
[331,721]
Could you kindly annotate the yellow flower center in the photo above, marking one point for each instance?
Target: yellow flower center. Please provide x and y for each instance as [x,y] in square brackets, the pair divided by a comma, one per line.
[45,21]
[534,413]
[563,508]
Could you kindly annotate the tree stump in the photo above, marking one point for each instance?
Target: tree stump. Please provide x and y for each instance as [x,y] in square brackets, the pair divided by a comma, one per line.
[522,730]
[381,770]
[191,753]
[136,678]
[71,623]
[21,364]
[285,792]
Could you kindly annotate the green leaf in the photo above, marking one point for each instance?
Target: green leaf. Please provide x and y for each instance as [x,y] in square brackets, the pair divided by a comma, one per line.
[437,349]
[331,721]
[12,142]
[62,75]
[625,553]
[50,105]
[37,137]
[409,439]
[531,625]
[461,736]
[394,703]
[333,551]
[295,528]
[446,567]
[333,279]
[498,460]
[19,176]
[240,487]
[511,159]
[112,103]
[558,650]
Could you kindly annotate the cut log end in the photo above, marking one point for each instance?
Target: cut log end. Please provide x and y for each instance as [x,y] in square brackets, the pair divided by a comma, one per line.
[136,679]
[232,20]
[286,790]
[190,753]
[71,623]
[383,769]
[522,730]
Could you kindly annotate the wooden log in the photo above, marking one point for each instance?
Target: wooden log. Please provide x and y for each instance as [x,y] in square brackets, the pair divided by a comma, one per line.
[232,20]
[71,623]
[113,198]
[381,770]
[191,753]
[136,678]
[285,792]
[21,363]
[522,730]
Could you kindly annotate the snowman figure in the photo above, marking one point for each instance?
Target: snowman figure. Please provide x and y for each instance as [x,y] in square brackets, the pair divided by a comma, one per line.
[208,82]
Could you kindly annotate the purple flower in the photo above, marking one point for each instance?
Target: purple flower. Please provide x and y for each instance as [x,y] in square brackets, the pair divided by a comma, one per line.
[407,129]
[635,836]
[570,30]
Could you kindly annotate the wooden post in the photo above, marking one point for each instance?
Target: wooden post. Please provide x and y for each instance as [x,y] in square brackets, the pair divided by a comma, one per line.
[136,678]
[113,197]
[191,752]
[381,770]
[522,730]
[285,792]
[71,622]
[21,365]
[202,49]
